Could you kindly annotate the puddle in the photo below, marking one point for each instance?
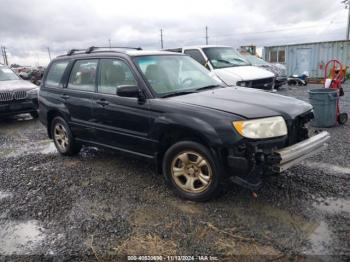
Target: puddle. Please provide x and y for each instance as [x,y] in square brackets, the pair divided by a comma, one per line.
[43,147]
[49,149]
[328,167]
[20,238]
[4,195]
[332,205]
[320,239]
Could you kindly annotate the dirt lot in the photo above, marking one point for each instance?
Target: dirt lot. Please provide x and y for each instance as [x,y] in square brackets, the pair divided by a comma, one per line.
[103,206]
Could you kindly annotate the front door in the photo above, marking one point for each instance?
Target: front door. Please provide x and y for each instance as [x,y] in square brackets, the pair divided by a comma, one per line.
[121,122]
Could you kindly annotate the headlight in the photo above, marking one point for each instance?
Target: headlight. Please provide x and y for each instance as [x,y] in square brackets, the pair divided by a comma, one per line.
[33,92]
[243,83]
[262,128]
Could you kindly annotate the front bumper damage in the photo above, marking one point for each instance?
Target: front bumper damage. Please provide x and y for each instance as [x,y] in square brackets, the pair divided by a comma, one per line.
[292,155]
[258,163]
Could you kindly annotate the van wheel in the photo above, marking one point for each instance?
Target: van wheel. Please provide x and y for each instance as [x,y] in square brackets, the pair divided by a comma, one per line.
[190,170]
[63,138]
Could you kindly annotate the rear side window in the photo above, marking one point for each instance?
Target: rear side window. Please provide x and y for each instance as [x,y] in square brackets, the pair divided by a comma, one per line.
[83,75]
[55,74]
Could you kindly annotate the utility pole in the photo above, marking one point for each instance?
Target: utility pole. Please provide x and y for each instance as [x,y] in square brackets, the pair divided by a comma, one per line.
[48,50]
[161,38]
[109,41]
[347,5]
[4,55]
[206,35]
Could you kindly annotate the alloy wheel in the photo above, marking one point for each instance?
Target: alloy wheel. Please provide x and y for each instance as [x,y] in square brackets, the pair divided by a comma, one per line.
[61,137]
[191,172]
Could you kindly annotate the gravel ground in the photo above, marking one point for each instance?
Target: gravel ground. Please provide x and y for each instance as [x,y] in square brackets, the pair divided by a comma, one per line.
[101,205]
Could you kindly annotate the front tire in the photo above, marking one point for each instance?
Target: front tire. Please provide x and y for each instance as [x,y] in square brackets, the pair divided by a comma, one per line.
[63,137]
[34,114]
[190,170]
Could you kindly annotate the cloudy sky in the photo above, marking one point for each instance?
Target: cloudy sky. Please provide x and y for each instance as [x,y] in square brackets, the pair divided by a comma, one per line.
[27,28]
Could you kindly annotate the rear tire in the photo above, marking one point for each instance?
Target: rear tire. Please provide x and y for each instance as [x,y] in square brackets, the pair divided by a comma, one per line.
[63,137]
[342,118]
[190,170]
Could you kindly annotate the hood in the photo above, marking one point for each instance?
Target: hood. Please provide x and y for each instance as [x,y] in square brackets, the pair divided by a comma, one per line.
[12,85]
[245,102]
[231,75]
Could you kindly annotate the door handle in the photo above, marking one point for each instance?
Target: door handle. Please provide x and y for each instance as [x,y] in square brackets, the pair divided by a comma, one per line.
[102,102]
[64,96]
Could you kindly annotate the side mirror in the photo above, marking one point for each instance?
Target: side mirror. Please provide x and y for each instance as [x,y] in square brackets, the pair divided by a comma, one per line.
[130,91]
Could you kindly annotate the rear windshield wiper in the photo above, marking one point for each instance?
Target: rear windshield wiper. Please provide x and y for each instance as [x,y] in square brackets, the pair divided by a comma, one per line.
[178,93]
[208,87]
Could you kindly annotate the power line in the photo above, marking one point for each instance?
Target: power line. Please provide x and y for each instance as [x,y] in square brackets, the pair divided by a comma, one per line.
[278,30]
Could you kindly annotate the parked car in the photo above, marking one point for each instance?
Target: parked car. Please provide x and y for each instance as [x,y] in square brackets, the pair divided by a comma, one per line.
[298,80]
[165,107]
[229,66]
[17,96]
[279,70]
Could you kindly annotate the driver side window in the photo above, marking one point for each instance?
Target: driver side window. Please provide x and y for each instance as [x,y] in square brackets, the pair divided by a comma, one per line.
[196,55]
[114,73]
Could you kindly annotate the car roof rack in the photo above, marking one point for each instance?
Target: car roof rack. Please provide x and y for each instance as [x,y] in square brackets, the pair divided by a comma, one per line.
[72,51]
[93,48]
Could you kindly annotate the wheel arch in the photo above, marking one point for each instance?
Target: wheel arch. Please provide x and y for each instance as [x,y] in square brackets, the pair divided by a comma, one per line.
[50,116]
[171,132]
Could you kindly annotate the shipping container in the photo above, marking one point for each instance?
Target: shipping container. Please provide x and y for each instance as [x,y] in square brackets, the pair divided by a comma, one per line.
[311,57]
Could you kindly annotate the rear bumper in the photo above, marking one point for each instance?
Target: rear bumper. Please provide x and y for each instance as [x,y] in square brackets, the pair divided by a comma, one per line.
[294,154]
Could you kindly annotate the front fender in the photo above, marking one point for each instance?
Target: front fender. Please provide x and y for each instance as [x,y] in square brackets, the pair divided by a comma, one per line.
[174,121]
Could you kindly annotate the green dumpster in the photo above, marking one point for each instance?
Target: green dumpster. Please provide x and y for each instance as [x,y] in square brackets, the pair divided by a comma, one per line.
[324,102]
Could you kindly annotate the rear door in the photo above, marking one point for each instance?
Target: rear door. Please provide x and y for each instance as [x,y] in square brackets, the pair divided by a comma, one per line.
[78,97]
[121,122]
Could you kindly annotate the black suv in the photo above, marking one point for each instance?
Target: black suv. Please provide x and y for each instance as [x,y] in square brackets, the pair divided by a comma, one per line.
[164,107]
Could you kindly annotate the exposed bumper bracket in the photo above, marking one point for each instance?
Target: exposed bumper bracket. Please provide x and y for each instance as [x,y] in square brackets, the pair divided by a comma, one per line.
[294,154]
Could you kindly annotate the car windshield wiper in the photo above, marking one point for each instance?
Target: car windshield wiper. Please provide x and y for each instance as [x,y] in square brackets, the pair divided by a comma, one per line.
[224,61]
[178,93]
[208,87]
[233,64]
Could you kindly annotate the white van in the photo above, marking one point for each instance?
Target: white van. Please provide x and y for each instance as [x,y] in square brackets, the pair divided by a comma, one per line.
[229,66]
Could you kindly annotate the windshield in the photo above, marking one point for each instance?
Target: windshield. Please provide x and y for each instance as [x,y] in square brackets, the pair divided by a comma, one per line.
[254,60]
[168,74]
[222,57]
[7,74]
